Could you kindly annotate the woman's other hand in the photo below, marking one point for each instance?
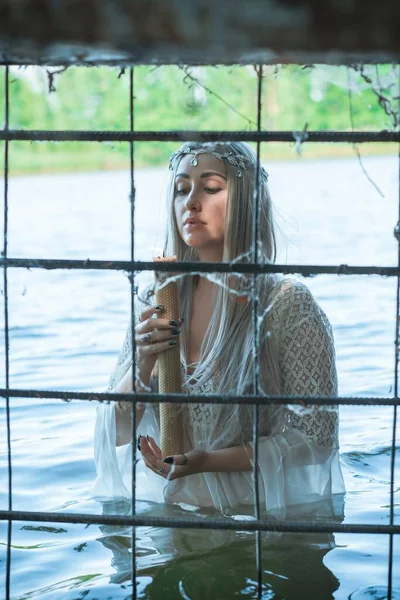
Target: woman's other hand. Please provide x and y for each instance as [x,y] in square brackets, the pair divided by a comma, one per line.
[172,467]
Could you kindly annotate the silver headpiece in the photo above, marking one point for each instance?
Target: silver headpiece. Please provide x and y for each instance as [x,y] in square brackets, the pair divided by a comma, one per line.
[237,160]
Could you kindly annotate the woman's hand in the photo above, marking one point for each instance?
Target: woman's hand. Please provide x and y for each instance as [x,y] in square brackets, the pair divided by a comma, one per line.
[153,335]
[172,467]
[226,460]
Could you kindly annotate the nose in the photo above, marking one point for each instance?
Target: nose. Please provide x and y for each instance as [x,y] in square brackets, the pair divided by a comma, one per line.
[193,201]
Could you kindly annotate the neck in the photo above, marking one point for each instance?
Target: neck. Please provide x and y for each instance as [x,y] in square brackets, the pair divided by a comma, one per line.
[211,254]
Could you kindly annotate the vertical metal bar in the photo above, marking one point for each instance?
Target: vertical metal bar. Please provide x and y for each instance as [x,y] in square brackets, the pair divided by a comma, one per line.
[6,332]
[132,203]
[256,335]
[396,391]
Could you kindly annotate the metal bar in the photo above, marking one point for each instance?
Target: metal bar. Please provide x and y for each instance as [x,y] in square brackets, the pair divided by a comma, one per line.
[132,282]
[396,390]
[6,331]
[298,57]
[200,523]
[198,267]
[358,137]
[256,332]
[154,398]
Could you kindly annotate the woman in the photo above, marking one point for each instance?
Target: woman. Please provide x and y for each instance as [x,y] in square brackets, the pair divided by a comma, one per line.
[210,219]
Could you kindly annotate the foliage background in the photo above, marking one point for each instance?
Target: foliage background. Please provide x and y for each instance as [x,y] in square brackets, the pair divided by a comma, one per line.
[207,98]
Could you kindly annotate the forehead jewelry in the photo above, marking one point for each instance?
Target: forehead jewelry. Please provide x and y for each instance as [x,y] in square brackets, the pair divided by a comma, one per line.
[237,160]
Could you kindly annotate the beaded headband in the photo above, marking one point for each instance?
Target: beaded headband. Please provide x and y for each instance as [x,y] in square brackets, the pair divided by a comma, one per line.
[237,160]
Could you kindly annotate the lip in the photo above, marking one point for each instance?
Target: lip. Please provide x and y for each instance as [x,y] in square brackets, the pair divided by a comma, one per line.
[192,221]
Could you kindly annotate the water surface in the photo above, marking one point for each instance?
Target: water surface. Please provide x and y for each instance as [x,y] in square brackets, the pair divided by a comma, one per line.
[66,329]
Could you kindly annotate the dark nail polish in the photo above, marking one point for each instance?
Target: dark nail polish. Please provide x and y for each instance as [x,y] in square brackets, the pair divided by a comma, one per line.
[175,331]
[159,307]
[138,442]
[174,323]
[172,342]
[148,439]
[182,319]
[169,460]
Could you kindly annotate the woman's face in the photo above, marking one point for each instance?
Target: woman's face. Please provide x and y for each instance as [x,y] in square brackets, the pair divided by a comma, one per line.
[201,194]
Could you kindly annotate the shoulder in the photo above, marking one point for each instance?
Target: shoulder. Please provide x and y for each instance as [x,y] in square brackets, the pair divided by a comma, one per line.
[292,303]
[292,296]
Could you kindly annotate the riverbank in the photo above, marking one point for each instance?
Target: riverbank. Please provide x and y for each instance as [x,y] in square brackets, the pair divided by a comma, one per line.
[27,158]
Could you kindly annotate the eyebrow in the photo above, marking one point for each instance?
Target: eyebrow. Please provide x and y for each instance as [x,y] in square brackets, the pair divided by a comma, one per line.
[203,175]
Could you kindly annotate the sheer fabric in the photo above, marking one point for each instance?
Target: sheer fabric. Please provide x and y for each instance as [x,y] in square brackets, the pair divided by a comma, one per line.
[299,465]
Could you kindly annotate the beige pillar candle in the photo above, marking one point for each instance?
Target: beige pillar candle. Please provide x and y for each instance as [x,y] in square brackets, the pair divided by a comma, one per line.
[169,372]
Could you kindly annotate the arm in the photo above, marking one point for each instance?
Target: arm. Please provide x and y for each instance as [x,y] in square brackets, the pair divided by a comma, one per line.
[227,460]
[123,410]
[307,366]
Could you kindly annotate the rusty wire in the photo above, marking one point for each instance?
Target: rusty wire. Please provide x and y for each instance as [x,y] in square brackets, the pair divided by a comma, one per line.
[131,267]
[256,333]
[132,196]
[6,329]
[155,398]
[396,383]
[201,267]
[224,523]
[30,135]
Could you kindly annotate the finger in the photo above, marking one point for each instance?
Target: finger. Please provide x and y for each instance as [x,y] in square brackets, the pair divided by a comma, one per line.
[150,310]
[158,467]
[150,465]
[150,349]
[177,459]
[146,450]
[157,336]
[156,449]
[151,324]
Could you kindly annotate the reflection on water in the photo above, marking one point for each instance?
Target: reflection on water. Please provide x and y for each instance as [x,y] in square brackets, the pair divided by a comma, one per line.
[374,592]
[184,563]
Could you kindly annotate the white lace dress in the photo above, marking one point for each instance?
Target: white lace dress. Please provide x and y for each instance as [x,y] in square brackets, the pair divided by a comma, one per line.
[298,467]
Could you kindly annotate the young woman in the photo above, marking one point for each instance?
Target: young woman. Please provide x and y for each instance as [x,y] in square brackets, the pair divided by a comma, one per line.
[210,212]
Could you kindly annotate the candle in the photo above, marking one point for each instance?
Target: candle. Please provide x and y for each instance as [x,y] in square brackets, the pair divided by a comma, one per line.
[169,370]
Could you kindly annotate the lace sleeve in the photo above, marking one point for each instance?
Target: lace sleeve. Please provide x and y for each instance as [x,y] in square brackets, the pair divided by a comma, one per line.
[307,364]
[124,359]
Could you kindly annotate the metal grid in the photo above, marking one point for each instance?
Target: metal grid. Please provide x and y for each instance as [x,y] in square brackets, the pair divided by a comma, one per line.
[256,269]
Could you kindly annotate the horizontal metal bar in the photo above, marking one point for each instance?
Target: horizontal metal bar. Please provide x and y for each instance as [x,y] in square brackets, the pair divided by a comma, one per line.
[17,58]
[153,398]
[199,523]
[199,136]
[197,267]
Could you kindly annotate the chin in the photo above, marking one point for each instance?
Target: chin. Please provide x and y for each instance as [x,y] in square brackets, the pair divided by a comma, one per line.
[194,242]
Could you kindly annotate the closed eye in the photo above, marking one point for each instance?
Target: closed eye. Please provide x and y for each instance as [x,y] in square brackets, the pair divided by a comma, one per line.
[208,190]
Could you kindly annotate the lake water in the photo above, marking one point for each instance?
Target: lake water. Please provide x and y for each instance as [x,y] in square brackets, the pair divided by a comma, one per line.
[66,329]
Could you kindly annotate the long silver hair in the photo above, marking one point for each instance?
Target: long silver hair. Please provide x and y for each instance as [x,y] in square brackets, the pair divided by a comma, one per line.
[226,355]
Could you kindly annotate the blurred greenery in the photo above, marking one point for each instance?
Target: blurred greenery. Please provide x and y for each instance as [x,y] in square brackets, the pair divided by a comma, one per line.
[205,98]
